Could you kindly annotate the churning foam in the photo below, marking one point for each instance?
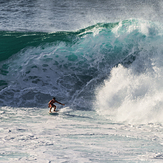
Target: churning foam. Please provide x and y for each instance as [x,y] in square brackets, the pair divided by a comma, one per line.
[135,94]
[132,98]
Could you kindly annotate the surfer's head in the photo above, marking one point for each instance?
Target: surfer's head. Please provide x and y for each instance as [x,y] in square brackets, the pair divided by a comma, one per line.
[54,98]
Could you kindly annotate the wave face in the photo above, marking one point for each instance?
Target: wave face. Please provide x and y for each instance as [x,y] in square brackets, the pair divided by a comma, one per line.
[34,66]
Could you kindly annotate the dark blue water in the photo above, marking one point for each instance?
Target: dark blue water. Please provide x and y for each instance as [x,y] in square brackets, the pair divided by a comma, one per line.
[52,15]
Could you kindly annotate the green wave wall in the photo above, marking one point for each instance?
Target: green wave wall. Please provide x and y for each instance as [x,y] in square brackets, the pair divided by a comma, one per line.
[13,42]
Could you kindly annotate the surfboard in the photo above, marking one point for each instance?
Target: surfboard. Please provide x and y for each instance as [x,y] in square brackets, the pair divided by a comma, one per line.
[54,112]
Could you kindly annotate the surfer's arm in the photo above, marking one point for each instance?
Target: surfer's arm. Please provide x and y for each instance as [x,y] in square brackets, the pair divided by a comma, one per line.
[59,103]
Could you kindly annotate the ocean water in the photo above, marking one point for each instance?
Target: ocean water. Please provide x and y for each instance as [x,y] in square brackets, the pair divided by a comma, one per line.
[102,59]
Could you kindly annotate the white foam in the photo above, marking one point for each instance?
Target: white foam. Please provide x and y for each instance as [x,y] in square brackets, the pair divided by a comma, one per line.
[32,135]
[65,109]
[129,97]
[139,25]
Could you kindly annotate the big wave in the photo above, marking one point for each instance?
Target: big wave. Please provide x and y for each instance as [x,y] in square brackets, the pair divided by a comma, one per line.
[70,65]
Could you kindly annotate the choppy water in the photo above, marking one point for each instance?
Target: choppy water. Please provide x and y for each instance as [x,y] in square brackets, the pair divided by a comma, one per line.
[103,59]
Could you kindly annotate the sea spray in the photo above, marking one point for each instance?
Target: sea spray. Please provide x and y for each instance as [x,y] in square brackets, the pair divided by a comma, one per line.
[132,98]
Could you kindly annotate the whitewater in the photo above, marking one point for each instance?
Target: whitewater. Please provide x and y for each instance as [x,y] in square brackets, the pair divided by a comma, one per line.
[103,60]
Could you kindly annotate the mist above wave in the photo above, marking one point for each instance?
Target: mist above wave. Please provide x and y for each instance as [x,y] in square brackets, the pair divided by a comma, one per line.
[52,16]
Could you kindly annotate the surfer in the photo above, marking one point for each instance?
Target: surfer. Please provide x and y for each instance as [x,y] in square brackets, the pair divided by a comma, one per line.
[51,104]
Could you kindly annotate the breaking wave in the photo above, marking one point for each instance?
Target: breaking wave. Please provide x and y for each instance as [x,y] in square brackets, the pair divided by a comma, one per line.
[111,66]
